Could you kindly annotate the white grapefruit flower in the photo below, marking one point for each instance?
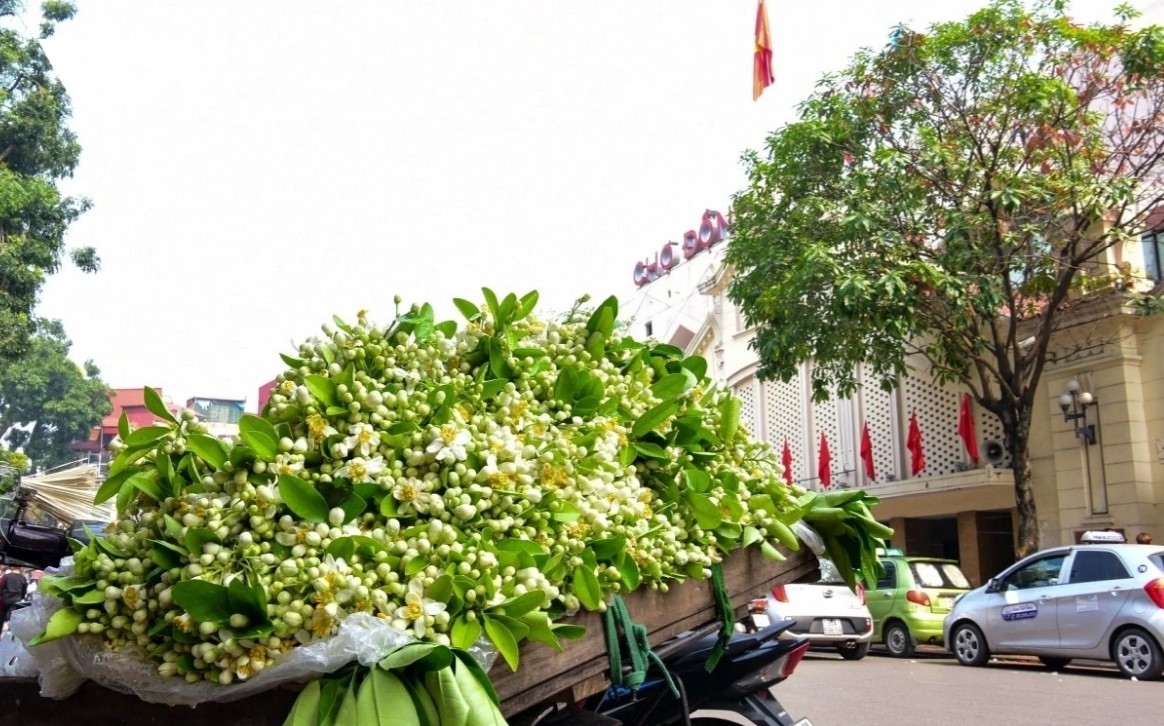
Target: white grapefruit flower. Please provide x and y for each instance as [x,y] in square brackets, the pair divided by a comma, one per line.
[417,607]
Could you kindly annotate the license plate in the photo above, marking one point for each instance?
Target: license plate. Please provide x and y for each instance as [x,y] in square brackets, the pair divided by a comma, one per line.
[831,626]
[946,602]
[761,620]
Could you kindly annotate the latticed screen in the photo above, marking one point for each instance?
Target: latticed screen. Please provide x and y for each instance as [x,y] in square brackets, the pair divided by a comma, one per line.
[825,420]
[879,409]
[937,417]
[784,415]
[745,390]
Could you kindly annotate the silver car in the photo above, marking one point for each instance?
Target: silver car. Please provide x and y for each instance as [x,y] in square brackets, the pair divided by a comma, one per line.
[1102,601]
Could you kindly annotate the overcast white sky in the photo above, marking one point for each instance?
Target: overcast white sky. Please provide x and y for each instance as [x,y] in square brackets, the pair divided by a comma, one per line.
[256,166]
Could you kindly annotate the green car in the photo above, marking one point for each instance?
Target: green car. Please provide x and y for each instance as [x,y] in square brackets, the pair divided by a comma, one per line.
[909,604]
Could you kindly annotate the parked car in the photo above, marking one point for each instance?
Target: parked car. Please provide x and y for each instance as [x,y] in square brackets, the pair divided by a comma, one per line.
[827,613]
[1101,600]
[910,602]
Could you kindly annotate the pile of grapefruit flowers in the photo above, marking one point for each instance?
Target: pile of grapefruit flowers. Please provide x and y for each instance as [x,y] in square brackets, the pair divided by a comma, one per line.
[456,483]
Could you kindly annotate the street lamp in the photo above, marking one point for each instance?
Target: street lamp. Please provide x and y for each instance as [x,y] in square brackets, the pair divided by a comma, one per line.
[1074,405]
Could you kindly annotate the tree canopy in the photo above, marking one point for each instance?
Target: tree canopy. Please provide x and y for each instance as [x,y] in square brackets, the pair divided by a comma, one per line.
[47,401]
[943,197]
[37,149]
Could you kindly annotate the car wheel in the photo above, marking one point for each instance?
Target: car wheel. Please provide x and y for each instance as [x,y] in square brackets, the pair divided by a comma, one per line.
[855,651]
[898,640]
[1054,663]
[1137,656]
[970,645]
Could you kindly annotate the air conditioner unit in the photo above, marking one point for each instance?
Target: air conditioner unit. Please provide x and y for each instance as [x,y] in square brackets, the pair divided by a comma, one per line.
[994,450]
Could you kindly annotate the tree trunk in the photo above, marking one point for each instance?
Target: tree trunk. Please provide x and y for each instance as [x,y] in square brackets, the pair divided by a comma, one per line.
[1018,435]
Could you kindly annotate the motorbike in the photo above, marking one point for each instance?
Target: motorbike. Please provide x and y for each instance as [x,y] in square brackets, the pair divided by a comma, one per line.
[755,659]
[24,543]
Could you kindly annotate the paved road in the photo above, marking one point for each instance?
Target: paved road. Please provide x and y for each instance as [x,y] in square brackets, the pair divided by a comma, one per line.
[932,689]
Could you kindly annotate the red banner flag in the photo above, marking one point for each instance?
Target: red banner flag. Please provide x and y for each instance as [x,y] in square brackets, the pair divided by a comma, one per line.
[824,469]
[867,451]
[966,428]
[786,460]
[762,58]
[917,457]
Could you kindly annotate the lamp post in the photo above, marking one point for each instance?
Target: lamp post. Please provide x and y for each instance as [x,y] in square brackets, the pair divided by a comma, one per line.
[1074,405]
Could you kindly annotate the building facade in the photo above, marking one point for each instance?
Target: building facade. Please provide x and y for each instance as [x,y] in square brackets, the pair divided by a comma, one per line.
[1104,469]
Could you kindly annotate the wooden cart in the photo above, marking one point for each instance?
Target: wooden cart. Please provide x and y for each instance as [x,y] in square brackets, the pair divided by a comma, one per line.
[544,674]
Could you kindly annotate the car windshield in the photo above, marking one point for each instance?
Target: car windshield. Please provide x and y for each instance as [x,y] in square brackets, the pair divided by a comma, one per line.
[938,574]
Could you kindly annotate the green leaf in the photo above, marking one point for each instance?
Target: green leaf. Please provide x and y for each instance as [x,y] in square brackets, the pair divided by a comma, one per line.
[198,536]
[89,598]
[322,388]
[123,426]
[155,405]
[706,514]
[539,629]
[247,600]
[205,601]
[494,306]
[260,436]
[433,655]
[697,479]
[291,361]
[566,385]
[652,450]
[468,309]
[631,575]
[447,328]
[697,365]
[654,418]
[208,448]
[520,605]
[491,388]
[673,385]
[751,536]
[498,630]
[568,631]
[729,411]
[526,305]
[586,587]
[146,436]
[605,550]
[302,498]
[465,632]
[602,319]
[353,507]
[147,482]
[111,486]
[63,622]
[771,552]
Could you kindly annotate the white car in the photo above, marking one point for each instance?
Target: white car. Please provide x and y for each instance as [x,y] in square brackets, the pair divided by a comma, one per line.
[827,613]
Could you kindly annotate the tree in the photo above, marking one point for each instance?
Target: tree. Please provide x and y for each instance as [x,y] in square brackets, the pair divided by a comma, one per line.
[36,150]
[47,402]
[944,198]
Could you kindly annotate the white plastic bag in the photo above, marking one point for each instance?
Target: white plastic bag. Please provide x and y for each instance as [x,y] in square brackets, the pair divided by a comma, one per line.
[66,663]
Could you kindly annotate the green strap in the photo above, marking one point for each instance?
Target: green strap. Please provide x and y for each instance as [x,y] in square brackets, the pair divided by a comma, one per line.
[723,610]
[618,622]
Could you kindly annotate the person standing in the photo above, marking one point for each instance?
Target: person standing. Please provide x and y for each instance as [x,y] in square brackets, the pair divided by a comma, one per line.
[12,589]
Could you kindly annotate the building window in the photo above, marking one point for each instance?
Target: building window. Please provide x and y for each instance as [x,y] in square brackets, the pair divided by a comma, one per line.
[650,328]
[1153,245]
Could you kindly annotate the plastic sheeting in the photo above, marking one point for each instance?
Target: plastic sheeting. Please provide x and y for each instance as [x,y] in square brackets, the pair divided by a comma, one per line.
[64,664]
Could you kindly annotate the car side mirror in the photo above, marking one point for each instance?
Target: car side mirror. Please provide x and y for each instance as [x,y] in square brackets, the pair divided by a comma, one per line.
[993,585]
